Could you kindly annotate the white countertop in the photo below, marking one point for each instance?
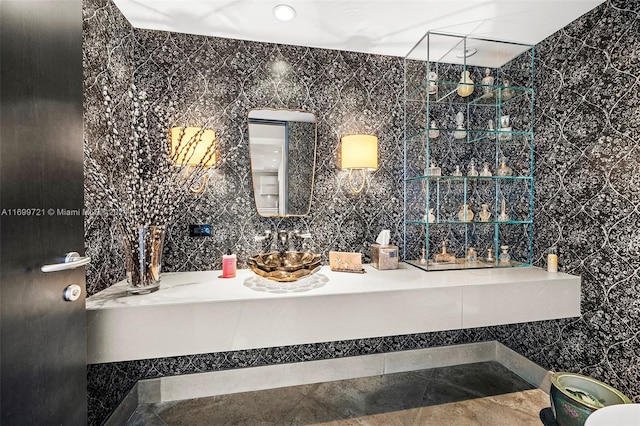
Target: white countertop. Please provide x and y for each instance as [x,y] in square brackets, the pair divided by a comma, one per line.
[200,312]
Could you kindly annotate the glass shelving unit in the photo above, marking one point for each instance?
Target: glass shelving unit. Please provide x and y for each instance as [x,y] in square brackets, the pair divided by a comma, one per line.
[496,132]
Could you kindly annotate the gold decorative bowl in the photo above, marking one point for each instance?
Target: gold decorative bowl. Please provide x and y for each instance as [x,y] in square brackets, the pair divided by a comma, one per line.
[285,267]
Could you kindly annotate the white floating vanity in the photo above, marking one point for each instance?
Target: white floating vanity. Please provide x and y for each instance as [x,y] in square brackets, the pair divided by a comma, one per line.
[199,312]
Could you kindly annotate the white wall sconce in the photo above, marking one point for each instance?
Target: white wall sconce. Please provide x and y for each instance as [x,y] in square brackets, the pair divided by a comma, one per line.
[359,152]
[193,147]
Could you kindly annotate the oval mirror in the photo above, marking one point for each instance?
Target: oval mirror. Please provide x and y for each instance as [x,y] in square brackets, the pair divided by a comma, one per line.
[282,149]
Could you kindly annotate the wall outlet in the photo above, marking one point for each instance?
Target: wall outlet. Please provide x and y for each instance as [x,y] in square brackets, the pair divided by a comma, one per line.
[199,230]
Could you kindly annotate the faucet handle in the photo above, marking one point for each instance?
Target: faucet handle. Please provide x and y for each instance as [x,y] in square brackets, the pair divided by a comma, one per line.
[266,235]
[301,235]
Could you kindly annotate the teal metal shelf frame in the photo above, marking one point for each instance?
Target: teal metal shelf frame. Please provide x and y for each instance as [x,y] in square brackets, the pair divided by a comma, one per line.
[512,66]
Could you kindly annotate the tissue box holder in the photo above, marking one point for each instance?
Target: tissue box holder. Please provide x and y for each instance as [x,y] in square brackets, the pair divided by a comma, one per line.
[384,257]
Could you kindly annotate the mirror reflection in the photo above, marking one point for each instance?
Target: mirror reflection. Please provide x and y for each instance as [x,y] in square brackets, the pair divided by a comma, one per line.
[282,148]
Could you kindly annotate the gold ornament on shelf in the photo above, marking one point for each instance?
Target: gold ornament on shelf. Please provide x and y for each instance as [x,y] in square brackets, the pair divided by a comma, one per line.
[465,87]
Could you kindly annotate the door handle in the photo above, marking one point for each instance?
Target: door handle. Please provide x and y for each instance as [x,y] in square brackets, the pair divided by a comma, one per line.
[72,260]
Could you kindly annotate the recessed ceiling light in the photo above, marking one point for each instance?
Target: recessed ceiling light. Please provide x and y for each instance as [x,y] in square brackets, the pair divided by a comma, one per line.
[284,12]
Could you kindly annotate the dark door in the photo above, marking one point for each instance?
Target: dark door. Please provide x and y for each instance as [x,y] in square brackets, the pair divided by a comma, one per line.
[43,337]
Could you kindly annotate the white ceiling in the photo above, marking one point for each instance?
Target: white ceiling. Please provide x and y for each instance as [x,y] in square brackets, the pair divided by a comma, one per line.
[385,27]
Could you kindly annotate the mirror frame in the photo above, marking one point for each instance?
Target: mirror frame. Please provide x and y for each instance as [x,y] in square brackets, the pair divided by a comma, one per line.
[315,158]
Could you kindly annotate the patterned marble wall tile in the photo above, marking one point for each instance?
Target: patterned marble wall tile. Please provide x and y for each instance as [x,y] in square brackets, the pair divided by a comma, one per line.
[107,61]
[585,102]
[587,198]
[215,82]
[301,157]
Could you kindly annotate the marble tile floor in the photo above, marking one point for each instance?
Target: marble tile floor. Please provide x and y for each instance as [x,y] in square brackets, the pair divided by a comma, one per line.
[481,394]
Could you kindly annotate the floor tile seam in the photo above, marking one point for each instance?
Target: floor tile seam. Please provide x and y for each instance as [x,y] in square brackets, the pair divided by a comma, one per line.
[312,387]
[483,416]
[161,407]
[418,401]
[290,413]
[147,411]
[427,384]
[533,414]
[421,373]
[328,407]
[426,413]
[378,416]
[360,391]
[527,398]
[161,420]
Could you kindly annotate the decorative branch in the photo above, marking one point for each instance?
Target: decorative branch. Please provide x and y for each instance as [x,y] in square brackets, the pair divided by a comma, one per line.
[138,179]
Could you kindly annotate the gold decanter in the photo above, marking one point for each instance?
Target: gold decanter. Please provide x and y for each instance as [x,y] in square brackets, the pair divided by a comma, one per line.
[444,256]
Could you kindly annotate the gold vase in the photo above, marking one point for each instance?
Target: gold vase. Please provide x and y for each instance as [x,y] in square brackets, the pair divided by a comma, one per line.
[465,86]
[143,258]
[465,214]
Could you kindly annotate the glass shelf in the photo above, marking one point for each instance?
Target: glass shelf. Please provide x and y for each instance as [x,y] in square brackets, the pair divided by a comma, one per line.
[468,178]
[435,65]
[448,93]
[462,264]
[477,135]
[457,222]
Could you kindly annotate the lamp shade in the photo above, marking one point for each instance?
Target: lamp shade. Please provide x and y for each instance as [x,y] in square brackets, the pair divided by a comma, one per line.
[359,152]
[193,146]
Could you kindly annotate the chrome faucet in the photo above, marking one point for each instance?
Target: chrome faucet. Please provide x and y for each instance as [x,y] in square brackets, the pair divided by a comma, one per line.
[264,239]
[300,237]
[283,238]
[286,239]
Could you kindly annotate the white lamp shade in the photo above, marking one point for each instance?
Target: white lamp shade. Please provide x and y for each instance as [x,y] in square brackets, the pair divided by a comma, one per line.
[193,149]
[359,152]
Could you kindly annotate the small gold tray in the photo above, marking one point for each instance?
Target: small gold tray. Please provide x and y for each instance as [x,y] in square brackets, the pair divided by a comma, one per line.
[353,271]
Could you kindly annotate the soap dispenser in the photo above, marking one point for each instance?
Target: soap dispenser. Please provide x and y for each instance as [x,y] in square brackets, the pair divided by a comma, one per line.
[229,265]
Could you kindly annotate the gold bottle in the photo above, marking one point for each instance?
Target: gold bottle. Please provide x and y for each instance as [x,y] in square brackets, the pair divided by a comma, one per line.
[444,256]
[465,87]
[465,214]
